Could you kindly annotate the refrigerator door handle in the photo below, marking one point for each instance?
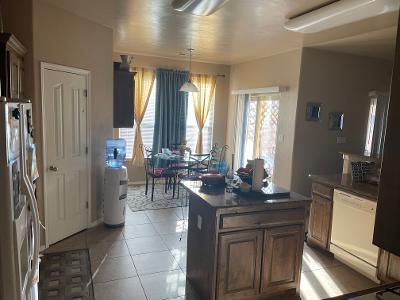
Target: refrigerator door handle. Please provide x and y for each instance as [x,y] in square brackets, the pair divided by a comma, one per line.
[29,192]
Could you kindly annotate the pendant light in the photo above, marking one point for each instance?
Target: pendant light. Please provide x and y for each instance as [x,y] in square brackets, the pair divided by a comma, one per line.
[189,86]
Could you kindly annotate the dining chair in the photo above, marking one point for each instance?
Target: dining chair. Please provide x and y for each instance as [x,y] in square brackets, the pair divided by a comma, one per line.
[182,163]
[153,172]
[199,163]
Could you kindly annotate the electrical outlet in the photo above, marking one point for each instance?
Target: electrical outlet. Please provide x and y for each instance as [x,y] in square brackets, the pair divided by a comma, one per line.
[340,140]
[199,221]
[281,138]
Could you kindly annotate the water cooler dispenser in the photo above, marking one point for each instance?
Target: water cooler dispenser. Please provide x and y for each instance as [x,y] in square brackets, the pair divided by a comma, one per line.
[115,183]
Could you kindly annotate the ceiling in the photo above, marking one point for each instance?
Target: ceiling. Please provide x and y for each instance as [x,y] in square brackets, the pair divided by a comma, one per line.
[242,30]
[379,44]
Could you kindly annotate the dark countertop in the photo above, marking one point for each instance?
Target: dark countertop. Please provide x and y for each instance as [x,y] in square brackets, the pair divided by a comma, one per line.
[345,183]
[219,198]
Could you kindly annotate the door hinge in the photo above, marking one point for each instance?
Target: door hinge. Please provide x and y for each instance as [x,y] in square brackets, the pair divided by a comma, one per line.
[85,92]
[87,150]
[87,205]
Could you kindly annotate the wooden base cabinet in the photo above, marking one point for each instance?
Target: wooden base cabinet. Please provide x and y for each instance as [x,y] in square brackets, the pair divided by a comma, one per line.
[239,264]
[283,248]
[388,267]
[259,262]
[320,223]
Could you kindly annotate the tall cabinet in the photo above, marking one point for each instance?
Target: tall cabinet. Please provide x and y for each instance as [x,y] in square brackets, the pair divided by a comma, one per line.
[12,54]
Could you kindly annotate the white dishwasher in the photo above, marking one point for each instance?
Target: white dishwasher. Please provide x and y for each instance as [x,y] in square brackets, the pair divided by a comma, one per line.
[353,224]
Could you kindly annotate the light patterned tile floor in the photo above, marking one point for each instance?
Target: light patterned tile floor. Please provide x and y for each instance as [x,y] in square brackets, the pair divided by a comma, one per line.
[146,259]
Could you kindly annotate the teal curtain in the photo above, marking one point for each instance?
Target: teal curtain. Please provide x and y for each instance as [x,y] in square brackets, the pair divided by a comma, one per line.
[171,109]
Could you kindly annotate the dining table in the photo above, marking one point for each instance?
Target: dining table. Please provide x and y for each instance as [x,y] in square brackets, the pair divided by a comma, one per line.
[175,162]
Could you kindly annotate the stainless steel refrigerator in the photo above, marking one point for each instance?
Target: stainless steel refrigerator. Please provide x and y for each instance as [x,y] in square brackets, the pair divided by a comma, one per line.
[19,218]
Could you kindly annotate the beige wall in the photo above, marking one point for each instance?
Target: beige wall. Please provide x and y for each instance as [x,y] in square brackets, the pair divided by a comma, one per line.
[277,70]
[66,39]
[221,95]
[341,82]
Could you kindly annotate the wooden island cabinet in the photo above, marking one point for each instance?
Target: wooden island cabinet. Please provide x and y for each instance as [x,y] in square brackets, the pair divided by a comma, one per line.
[240,248]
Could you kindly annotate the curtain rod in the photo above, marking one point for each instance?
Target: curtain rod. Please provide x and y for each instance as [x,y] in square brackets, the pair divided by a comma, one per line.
[155,68]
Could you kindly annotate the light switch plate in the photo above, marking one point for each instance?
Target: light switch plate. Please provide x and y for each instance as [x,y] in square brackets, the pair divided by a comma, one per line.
[199,221]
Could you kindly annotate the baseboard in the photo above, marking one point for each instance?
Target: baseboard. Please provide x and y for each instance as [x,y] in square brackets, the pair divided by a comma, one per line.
[95,223]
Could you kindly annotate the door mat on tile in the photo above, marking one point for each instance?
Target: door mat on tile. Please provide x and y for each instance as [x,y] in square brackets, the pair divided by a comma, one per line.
[66,275]
[137,200]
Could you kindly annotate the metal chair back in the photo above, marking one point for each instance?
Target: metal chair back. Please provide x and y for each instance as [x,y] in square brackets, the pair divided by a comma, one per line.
[148,156]
[199,163]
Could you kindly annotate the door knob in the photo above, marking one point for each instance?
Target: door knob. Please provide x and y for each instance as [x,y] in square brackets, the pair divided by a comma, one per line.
[53,168]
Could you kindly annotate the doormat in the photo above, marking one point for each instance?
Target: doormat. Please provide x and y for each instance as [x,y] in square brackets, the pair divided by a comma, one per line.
[66,275]
[137,200]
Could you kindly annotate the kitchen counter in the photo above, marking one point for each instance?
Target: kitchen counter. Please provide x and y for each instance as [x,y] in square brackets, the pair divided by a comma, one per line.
[231,239]
[345,183]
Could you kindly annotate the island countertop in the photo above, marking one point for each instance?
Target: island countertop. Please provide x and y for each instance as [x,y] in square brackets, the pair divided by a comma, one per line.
[345,183]
[217,197]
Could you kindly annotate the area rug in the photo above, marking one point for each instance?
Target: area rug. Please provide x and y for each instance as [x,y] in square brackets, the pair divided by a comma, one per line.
[137,200]
[66,275]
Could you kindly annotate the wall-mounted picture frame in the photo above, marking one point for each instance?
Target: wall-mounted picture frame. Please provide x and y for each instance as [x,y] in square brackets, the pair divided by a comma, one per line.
[313,111]
[336,120]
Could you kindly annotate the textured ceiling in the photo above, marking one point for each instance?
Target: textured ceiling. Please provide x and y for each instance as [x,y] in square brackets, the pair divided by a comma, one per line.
[380,44]
[241,30]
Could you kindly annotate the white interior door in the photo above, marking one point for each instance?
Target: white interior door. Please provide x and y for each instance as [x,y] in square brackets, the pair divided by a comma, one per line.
[66,160]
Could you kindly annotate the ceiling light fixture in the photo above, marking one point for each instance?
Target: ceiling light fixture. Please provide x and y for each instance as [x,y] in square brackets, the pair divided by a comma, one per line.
[340,13]
[198,7]
[189,86]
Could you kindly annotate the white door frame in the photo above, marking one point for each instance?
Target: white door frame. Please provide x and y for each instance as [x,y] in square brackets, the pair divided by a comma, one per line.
[86,73]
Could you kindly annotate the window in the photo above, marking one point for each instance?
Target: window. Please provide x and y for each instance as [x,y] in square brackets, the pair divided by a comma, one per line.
[370,126]
[376,126]
[192,130]
[147,126]
[260,130]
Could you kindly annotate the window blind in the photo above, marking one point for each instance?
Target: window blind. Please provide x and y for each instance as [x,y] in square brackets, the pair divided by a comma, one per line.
[192,130]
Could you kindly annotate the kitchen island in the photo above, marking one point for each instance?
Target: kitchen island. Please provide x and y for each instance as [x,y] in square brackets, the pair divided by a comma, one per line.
[241,247]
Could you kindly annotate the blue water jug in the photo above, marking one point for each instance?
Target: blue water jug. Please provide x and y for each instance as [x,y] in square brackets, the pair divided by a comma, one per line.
[115,153]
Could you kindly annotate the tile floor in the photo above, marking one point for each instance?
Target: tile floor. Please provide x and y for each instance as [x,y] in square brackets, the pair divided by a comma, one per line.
[146,259]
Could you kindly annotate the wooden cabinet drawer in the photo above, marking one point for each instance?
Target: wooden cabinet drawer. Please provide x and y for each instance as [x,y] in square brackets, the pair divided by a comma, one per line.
[322,190]
[264,218]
